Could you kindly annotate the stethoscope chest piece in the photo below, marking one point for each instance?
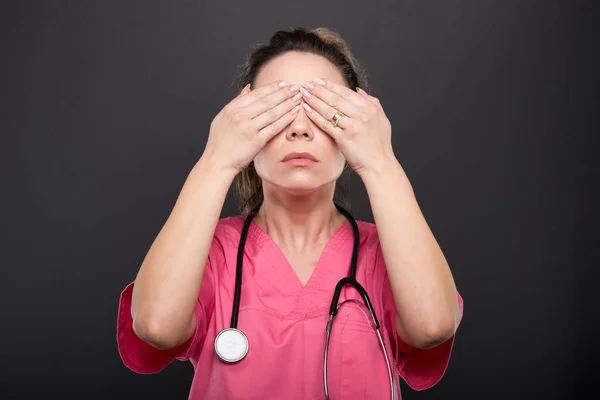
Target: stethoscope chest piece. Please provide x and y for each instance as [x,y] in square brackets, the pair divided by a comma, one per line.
[231,345]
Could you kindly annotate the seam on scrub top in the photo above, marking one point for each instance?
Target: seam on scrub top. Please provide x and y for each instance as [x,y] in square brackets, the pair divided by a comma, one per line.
[300,316]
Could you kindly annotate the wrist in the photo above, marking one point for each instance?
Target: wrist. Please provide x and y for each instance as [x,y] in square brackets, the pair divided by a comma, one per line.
[380,167]
[385,178]
[213,167]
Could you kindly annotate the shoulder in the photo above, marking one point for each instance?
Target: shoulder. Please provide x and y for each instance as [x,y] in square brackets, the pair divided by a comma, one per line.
[224,244]
[368,234]
[226,236]
[229,229]
[369,248]
[371,269]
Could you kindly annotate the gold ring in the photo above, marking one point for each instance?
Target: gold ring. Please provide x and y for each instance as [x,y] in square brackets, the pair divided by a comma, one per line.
[336,117]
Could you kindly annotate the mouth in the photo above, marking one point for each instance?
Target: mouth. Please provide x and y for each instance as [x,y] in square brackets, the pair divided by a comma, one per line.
[298,157]
[299,162]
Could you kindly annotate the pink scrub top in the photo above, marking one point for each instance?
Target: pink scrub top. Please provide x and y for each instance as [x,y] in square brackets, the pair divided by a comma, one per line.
[285,325]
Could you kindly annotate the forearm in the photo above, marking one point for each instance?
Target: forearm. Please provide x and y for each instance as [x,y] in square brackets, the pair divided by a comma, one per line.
[424,291]
[168,282]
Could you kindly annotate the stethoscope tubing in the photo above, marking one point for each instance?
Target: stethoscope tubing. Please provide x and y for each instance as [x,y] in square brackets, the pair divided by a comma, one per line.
[349,280]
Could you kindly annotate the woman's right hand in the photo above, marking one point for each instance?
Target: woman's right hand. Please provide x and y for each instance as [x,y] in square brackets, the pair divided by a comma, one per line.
[245,125]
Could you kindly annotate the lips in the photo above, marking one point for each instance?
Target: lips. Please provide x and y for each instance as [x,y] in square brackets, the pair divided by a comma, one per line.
[305,155]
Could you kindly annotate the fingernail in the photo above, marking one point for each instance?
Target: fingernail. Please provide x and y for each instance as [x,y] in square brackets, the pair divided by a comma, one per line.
[297,97]
[320,81]
[308,85]
[282,84]
[305,93]
[307,107]
[295,109]
[294,88]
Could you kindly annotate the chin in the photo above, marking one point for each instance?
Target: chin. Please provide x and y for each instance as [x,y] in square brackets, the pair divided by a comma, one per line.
[299,181]
[299,184]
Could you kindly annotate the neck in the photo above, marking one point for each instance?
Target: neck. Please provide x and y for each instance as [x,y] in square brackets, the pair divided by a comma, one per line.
[298,222]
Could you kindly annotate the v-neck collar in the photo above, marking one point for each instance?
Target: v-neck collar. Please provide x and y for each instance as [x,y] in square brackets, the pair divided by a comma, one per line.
[308,298]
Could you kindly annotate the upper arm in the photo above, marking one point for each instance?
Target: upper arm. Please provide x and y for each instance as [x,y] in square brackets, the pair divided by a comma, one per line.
[420,368]
[141,356]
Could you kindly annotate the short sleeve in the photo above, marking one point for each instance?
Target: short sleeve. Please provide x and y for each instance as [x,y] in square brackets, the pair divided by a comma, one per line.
[420,368]
[144,358]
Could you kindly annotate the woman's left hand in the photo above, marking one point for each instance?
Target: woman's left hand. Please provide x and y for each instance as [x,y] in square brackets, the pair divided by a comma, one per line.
[363,134]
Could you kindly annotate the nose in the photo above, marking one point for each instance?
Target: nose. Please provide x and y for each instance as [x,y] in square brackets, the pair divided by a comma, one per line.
[301,127]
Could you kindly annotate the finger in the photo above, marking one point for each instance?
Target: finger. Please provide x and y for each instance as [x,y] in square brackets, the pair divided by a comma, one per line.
[271,130]
[325,125]
[372,99]
[269,101]
[336,95]
[255,94]
[325,110]
[318,97]
[273,114]
[245,90]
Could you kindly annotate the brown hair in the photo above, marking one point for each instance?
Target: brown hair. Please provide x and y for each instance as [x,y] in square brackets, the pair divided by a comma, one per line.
[321,41]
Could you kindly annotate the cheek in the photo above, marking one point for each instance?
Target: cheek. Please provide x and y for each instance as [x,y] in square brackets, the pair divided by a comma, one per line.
[259,163]
[263,161]
[335,160]
[339,158]
[334,154]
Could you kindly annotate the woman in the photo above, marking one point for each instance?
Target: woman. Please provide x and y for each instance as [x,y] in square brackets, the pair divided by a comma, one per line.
[287,137]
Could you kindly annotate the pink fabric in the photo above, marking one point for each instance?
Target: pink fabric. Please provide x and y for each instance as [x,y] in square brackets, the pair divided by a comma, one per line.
[285,325]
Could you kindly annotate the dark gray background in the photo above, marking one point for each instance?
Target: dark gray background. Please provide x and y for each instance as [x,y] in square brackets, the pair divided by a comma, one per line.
[106,106]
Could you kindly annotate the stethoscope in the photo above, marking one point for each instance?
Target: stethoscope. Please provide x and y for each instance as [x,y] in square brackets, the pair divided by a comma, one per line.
[231,344]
